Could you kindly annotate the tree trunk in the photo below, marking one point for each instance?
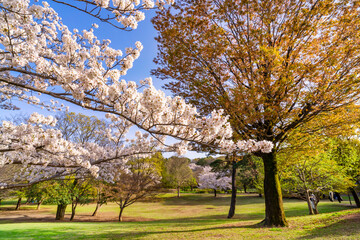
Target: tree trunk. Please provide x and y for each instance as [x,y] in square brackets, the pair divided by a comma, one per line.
[355,196]
[38,205]
[214,192]
[73,208]
[120,214]
[274,210]
[98,205]
[60,212]
[244,188]
[316,211]
[349,199]
[307,196]
[178,191]
[233,191]
[18,204]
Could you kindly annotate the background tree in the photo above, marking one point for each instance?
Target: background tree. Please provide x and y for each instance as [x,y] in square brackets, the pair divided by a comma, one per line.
[82,192]
[20,194]
[271,65]
[177,173]
[310,175]
[138,180]
[209,179]
[58,193]
[37,193]
[346,153]
[101,196]
[81,128]
[248,172]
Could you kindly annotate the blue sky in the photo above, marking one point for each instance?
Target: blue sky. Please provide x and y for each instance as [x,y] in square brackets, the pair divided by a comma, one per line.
[145,33]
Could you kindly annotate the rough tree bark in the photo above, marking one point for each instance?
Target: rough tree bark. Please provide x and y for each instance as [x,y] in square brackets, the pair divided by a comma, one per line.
[60,212]
[233,191]
[274,211]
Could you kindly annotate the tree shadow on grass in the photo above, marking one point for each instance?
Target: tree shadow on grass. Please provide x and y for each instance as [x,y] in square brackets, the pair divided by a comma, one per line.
[207,199]
[348,226]
[141,229]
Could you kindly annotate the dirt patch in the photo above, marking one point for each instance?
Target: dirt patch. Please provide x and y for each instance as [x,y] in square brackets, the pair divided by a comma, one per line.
[10,215]
[351,217]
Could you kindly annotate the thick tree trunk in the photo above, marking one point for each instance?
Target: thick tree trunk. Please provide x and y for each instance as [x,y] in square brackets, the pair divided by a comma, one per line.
[60,212]
[214,192]
[355,196]
[73,208]
[274,210]
[18,204]
[178,191]
[307,196]
[233,191]
[98,205]
[120,214]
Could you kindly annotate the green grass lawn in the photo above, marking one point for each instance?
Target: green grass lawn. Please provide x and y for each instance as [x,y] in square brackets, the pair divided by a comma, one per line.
[193,216]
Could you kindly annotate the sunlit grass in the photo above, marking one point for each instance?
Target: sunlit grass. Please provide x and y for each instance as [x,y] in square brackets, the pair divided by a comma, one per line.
[193,216]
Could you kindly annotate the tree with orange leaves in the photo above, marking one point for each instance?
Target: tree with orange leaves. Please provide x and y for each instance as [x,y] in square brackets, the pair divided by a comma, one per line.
[272,65]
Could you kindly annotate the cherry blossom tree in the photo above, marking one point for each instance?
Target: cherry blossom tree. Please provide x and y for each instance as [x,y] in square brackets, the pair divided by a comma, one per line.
[39,55]
[213,180]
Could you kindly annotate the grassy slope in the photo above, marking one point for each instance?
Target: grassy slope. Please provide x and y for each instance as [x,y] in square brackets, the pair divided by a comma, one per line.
[197,217]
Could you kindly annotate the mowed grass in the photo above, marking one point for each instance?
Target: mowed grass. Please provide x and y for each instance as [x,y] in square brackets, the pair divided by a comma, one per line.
[193,216]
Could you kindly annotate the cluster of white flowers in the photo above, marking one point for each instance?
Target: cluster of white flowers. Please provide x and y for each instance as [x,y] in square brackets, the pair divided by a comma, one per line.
[41,119]
[213,180]
[248,146]
[128,12]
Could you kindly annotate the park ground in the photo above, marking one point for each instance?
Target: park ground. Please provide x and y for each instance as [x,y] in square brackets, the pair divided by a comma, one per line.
[192,216]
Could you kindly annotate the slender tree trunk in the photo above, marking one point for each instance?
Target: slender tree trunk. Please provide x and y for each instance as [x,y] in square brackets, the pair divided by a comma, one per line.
[214,192]
[73,208]
[349,199]
[355,196]
[178,191]
[98,205]
[18,204]
[311,212]
[120,214]
[38,205]
[274,210]
[233,191]
[60,212]
[244,188]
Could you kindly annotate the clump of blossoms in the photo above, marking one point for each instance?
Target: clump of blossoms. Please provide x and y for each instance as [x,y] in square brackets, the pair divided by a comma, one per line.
[213,180]
[207,179]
